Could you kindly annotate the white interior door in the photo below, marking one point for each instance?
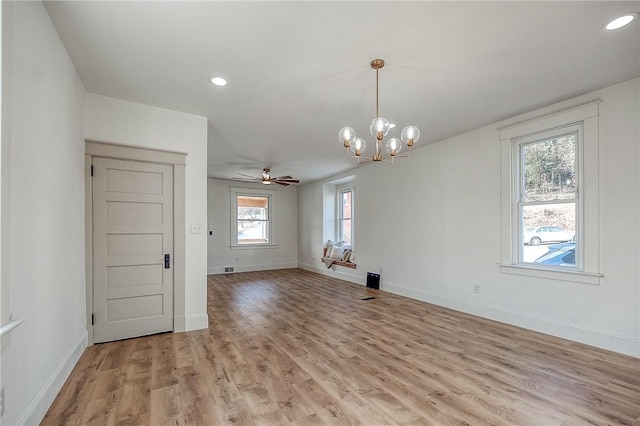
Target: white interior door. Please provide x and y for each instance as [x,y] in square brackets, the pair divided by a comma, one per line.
[132,249]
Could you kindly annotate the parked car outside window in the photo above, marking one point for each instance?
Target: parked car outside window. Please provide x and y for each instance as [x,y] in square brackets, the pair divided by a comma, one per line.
[547,234]
[559,255]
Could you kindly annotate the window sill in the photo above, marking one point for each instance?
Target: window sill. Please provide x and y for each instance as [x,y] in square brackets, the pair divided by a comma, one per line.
[345,264]
[552,273]
[252,246]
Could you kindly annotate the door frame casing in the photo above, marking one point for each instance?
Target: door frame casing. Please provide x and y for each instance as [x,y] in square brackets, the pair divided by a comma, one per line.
[123,152]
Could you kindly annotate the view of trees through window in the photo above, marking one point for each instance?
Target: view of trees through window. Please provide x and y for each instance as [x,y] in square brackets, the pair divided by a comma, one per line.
[345,217]
[549,200]
[253,219]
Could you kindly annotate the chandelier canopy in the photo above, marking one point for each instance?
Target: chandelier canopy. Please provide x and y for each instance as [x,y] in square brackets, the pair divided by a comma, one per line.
[355,146]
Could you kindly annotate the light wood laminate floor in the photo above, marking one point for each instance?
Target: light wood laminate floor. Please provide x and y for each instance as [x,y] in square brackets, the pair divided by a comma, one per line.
[292,347]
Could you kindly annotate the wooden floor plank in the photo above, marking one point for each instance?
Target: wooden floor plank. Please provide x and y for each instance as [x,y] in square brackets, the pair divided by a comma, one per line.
[74,397]
[290,347]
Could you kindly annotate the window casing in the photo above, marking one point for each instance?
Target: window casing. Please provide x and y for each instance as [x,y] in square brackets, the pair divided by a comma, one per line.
[345,215]
[331,202]
[521,194]
[548,207]
[251,218]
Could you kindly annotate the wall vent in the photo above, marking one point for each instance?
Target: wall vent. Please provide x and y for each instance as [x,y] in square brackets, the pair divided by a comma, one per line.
[228,269]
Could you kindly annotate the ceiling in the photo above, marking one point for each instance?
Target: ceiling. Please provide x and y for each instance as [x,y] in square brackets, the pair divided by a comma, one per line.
[299,71]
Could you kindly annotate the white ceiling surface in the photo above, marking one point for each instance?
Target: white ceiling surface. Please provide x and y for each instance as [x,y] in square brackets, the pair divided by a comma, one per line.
[299,71]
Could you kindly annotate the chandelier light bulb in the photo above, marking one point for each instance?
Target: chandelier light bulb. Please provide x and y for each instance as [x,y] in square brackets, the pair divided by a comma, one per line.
[379,127]
[410,135]
[347,136]
[358,146]
[393,146]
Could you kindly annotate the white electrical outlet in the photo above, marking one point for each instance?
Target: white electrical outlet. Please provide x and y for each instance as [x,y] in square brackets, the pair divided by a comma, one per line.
[476,288]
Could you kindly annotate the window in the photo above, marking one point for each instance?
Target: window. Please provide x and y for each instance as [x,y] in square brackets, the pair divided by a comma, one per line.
[338,211]
[547,196]
[549,175]
[251,212]
[253,219]
[345,216]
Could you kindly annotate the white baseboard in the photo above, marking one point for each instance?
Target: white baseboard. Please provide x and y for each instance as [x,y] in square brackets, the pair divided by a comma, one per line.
[252,268]
[196,322]
[599,338]
[190,323]
[39,406]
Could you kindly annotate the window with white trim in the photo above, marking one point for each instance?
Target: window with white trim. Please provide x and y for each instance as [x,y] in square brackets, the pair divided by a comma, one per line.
[547,198]
[251,213]
[550,196]
[345,215]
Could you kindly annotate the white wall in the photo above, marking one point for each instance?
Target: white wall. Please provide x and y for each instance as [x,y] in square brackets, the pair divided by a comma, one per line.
[432,223]
[5,106]
[44,203]
[127,123]
[285,230]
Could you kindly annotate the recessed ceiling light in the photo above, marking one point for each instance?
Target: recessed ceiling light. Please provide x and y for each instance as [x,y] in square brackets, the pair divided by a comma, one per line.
[620,22]
[218,81]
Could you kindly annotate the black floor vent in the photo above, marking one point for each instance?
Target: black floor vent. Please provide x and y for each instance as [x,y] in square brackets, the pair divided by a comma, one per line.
[368,298]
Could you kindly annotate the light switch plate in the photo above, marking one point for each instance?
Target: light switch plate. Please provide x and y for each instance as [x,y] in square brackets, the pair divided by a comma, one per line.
[196,228]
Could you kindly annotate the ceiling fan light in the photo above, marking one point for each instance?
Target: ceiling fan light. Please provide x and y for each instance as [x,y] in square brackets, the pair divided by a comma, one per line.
[410,135]
[393,146]
[347,136]
[358,146]
[379,127]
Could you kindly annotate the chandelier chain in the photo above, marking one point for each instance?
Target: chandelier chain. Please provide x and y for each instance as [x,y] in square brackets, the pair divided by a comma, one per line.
[377,92]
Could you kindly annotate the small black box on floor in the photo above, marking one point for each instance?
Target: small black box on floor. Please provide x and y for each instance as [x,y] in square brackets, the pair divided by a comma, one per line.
[373,280]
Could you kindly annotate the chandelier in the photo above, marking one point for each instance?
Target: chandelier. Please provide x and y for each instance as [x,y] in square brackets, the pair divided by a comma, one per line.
[355,146]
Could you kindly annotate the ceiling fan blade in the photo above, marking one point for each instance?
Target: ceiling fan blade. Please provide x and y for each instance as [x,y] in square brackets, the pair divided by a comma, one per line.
[266,178]
[249,176]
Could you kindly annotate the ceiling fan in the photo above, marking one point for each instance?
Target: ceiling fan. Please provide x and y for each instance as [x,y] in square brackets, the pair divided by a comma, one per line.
[267,179]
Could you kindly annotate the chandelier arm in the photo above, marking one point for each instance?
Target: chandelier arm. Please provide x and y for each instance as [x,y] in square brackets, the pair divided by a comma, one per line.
[404,155]
[364,160]
[346,150]
[351,155]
